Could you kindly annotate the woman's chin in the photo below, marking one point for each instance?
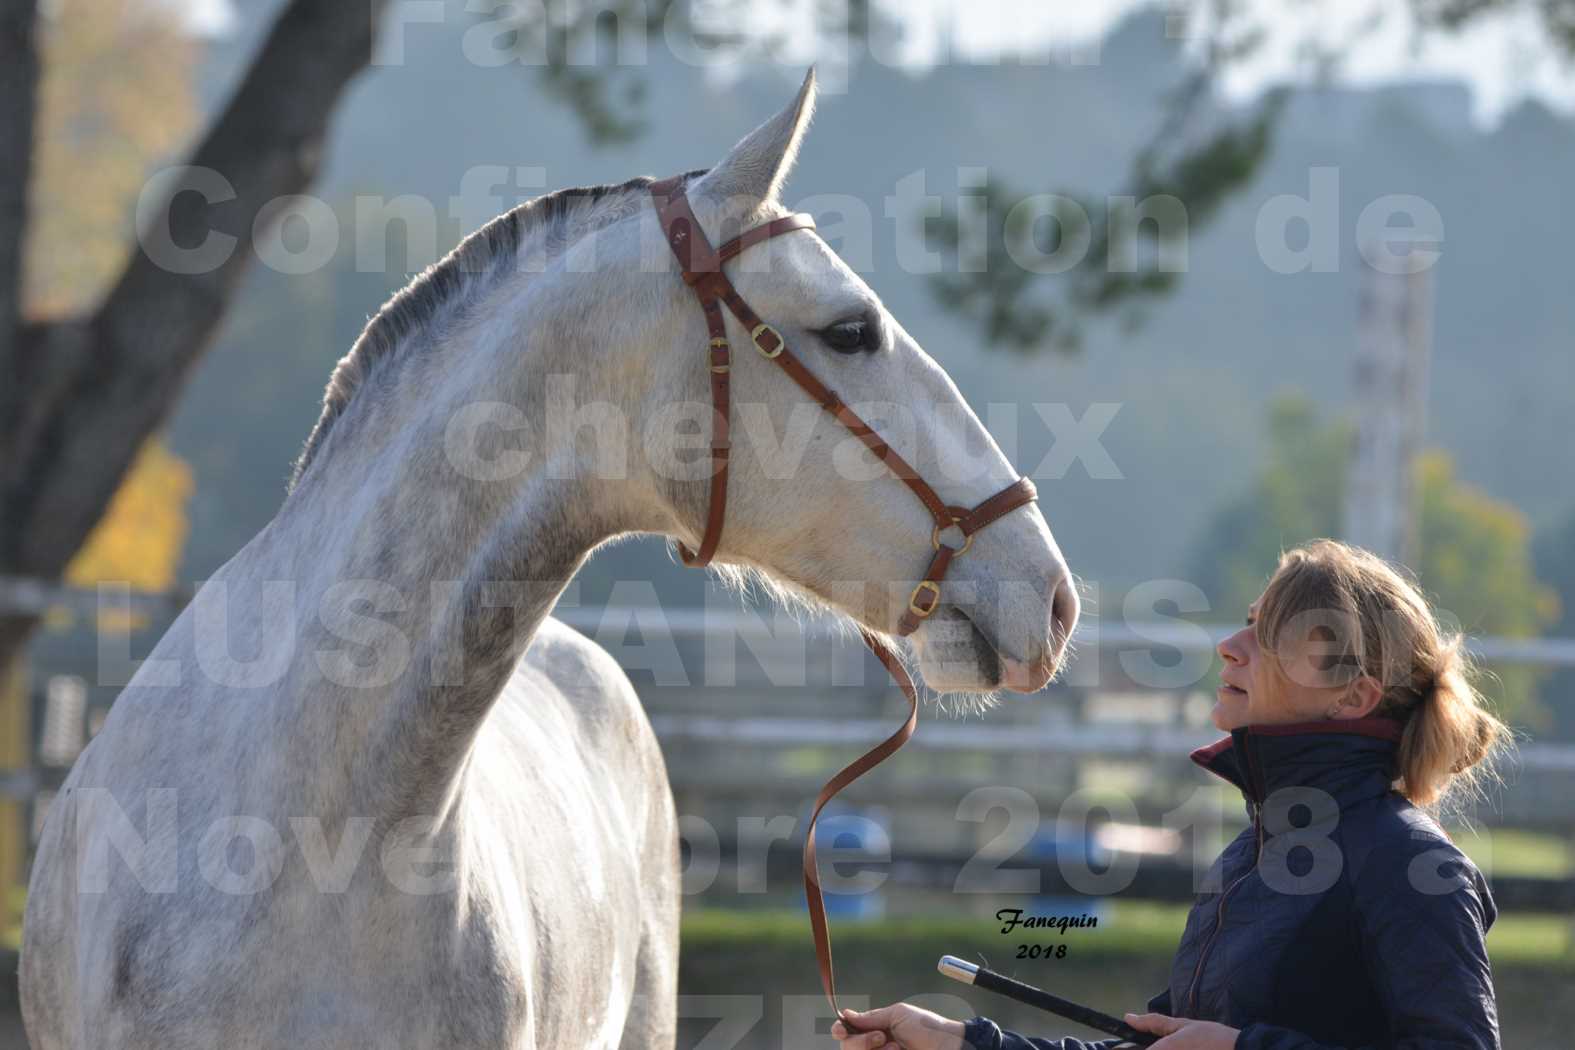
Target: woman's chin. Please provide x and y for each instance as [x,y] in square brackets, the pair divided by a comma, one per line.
[1227,716]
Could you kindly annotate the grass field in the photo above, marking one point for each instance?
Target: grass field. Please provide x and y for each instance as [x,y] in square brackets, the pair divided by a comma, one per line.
[764,960]
[748,979]
[1506,851]
[1135,929]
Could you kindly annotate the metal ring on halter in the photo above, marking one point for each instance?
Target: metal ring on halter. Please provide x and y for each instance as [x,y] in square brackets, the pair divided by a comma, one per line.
[763,328]
[935,539]
[913,599]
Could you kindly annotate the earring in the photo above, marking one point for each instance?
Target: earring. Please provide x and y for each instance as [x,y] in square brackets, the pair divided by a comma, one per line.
[1333,712]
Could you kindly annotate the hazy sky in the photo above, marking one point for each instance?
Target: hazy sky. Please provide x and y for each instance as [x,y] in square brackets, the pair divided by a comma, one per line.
[1504,58]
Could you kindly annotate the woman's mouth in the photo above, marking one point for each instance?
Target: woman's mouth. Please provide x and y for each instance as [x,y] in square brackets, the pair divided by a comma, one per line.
[1226,689]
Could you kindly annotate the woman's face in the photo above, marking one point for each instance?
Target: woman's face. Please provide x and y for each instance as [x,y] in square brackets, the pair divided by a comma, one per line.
[1252,692]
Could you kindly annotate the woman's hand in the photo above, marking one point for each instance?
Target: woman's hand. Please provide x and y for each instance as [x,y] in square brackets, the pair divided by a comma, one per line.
[1183,1034]
[898,1025]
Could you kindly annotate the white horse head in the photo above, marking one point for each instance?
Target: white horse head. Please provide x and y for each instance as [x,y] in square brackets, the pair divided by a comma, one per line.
[807,504]
[580,286]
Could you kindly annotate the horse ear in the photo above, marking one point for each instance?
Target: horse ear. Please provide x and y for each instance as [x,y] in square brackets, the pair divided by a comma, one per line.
[754,170]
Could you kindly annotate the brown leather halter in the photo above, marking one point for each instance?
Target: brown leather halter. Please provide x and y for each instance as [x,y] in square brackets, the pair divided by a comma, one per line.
[702,271]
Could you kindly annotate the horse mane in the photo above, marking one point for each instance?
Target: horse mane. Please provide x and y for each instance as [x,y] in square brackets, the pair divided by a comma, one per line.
[474,267]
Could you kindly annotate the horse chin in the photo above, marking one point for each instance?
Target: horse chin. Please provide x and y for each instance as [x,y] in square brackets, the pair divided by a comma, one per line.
[955,656]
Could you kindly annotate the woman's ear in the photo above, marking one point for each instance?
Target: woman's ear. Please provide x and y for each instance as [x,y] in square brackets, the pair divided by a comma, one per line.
[1364,696]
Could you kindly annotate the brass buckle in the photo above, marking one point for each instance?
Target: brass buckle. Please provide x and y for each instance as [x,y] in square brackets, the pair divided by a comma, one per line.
[719,343]
[935,538]
[762,328]
[913,599]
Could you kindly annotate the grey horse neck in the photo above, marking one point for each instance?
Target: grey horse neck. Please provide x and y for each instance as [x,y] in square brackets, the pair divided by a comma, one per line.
[390,535]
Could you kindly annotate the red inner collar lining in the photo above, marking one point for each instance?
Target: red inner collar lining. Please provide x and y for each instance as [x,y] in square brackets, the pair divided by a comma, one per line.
[1374,725]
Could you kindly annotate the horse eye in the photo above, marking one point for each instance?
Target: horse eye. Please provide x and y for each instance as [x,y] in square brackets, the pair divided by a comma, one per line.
[847,337]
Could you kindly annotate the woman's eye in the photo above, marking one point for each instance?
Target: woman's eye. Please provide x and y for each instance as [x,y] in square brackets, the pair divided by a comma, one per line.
[847,337]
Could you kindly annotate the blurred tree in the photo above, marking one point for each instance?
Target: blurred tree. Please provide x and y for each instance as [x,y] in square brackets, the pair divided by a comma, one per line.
[139,539]
[1554,551]
[1555,556]
[87,389]
[1201,154]
[1475,563]
[1295,497]
[1095,246]
[115,95]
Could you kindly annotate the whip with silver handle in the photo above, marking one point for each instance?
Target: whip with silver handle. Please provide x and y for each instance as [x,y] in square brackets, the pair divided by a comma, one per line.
[976,975]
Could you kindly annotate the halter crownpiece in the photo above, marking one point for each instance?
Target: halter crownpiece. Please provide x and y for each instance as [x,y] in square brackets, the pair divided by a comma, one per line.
[702,272]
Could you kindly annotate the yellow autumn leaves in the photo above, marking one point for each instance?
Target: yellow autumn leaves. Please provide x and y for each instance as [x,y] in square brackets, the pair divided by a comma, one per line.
[140,537]
[115,102]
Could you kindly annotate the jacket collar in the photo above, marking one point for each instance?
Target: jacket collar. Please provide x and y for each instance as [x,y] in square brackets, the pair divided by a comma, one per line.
[1351,759]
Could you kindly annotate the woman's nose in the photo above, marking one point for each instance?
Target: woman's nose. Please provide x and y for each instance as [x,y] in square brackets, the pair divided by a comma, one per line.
[1230,649]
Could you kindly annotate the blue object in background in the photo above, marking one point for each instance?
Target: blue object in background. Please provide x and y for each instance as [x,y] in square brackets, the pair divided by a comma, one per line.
[841,830]
[1052,843]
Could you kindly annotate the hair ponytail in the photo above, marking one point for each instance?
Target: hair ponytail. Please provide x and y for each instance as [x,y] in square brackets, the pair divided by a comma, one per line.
[1449,735]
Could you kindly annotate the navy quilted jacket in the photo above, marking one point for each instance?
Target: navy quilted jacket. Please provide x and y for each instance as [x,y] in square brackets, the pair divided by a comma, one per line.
[1343,918]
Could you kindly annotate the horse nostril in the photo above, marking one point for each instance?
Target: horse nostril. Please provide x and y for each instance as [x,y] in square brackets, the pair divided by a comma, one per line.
[1064,607]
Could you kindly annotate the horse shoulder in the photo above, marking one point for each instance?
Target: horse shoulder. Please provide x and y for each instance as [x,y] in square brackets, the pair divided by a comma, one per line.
[587,680]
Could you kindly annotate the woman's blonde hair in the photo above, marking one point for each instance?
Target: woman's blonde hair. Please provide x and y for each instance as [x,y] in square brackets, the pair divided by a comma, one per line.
[1373,621]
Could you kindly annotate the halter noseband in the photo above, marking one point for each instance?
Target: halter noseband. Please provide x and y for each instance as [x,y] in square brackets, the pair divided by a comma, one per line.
[702,272]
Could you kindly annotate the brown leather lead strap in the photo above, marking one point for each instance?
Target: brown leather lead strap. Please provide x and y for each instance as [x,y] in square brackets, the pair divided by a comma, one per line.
[863,764]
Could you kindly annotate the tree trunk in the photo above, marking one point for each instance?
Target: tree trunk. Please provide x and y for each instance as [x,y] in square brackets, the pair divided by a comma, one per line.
[18,99]
[88,392]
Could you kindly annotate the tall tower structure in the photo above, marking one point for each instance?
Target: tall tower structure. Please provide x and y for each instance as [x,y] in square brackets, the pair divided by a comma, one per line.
[1394,344]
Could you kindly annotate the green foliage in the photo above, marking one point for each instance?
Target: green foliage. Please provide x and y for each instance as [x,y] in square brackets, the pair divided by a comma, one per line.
[1104,239]
[1136,930]
[1557,16]
[1474,559]
[574,45]
[1477,555]
[1295,497]
[1554,551]
[1027,311]
[1476,562]
[115,96]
